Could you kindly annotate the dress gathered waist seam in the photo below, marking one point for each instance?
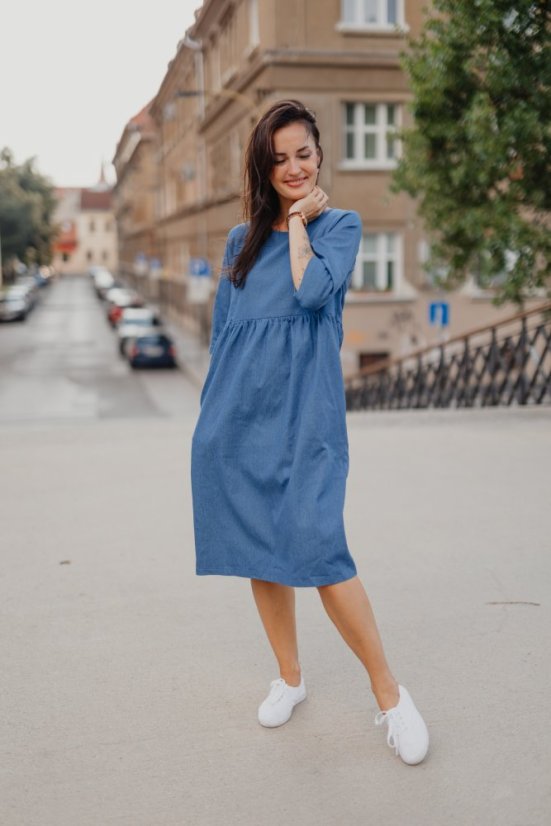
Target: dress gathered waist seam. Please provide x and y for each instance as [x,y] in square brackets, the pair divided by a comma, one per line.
[319,314]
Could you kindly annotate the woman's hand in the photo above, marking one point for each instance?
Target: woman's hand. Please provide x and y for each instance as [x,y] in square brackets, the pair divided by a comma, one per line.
[312,204]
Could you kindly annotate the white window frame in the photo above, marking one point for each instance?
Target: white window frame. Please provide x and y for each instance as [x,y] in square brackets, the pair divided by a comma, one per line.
[381,257]
[380,130]
[352,18]
[254,28]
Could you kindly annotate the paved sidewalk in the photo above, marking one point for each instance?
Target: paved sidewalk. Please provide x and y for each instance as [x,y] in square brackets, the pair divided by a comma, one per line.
[130,686]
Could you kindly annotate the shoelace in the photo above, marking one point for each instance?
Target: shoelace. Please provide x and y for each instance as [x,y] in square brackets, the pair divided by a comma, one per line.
[277,690]
[396,724]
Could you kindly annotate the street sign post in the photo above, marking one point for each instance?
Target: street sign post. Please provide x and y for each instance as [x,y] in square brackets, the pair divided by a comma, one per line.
[199,281]
[199,267]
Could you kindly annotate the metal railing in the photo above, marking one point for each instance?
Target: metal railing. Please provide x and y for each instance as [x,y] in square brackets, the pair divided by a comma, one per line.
[505,363]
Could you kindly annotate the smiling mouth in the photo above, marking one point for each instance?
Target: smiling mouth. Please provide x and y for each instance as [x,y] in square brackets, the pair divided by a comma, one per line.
[297,181]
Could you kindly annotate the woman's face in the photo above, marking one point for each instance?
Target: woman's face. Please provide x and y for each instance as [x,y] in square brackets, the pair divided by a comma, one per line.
[295,170]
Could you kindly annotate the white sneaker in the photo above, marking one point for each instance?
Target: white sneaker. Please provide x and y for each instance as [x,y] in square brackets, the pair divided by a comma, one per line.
[278,705]
[407,732]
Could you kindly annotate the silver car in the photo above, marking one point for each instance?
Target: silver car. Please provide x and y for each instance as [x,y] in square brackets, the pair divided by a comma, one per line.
[15,303]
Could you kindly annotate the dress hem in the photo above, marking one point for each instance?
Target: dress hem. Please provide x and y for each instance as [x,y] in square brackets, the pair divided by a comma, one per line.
[312,581]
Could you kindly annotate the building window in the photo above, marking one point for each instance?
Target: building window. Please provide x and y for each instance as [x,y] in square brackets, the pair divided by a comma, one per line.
[108,226]
[433,274]
[369,138]
[92,226]
[169,111]
[228,40]
[214,65]
[372,14]
[104,255]
[89,255]
[379,263]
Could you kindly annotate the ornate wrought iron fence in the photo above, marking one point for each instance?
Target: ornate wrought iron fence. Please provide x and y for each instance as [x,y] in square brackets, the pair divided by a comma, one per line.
[506,363]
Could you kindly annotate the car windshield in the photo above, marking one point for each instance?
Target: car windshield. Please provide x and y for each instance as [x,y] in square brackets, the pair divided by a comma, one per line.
[146,321]
[151,340]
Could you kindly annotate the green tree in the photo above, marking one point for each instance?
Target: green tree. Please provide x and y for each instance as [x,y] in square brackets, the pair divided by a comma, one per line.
[478,156]
[27,203]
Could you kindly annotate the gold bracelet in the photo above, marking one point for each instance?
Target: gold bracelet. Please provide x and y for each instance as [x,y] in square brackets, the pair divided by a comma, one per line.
[297,212]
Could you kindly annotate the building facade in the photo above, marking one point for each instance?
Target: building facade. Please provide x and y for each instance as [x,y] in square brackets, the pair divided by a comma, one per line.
[342,59]
[87,229]
[135,194]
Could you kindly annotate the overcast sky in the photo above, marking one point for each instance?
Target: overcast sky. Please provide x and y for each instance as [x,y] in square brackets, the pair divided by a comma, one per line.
[72,74]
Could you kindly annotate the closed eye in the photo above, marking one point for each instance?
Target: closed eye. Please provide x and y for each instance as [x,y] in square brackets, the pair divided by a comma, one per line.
[302,157]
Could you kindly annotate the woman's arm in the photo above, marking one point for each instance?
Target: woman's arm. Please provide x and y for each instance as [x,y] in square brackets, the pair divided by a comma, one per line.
[300,249]
[323,266]
[330,267]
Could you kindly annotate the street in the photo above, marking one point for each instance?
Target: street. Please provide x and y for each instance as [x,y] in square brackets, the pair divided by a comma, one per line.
[130,686]
[62,364]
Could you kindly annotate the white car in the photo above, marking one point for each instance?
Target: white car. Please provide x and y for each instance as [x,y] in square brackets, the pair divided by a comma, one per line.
[135,320]
[103,281]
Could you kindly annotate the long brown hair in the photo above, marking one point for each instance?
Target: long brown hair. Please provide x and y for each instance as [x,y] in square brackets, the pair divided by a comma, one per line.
[260,200]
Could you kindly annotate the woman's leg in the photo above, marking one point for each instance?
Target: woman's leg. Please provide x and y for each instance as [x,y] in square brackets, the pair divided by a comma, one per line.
[276,606]
[349,608]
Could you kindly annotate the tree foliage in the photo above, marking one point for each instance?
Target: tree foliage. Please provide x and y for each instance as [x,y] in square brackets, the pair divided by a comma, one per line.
[478,156]
[27,203]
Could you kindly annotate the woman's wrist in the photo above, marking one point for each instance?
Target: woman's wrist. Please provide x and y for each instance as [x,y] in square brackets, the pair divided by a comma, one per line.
[293,212]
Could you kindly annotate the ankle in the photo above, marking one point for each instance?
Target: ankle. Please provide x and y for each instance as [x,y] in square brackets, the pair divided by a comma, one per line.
[291,675]
[387,694]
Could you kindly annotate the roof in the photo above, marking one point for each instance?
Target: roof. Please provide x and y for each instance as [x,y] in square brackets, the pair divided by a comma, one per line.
[143,120]
[96,199]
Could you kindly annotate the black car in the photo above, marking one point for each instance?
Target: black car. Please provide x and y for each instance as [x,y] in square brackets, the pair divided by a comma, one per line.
[151,350]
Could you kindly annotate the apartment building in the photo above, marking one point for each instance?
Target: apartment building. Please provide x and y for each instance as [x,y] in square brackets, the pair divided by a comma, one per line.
[135,193]
[342,59]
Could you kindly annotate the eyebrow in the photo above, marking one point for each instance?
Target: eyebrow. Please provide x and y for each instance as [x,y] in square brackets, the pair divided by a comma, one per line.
[306,146]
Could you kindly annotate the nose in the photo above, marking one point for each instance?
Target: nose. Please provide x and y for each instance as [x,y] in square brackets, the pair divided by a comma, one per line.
[294,166]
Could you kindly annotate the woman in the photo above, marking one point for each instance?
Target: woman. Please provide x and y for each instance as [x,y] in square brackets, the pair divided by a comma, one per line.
[270,448]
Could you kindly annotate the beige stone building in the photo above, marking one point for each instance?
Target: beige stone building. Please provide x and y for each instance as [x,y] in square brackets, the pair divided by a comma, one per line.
[135,194]
[342,60]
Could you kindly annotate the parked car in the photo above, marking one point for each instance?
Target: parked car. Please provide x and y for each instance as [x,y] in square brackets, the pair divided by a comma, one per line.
[135,320]
[44,275]
[15,303]
[118,299]
[30,284]
[103,280]
[151,350]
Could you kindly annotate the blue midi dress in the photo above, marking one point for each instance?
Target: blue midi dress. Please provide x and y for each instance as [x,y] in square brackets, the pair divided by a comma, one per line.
[269,453]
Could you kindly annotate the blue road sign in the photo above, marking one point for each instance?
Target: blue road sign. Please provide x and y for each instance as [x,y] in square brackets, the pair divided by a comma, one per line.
[439,313]
[199,266]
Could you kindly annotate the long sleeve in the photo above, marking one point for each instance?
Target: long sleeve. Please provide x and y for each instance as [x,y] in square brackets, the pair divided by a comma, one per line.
[333,261]
[222,298]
